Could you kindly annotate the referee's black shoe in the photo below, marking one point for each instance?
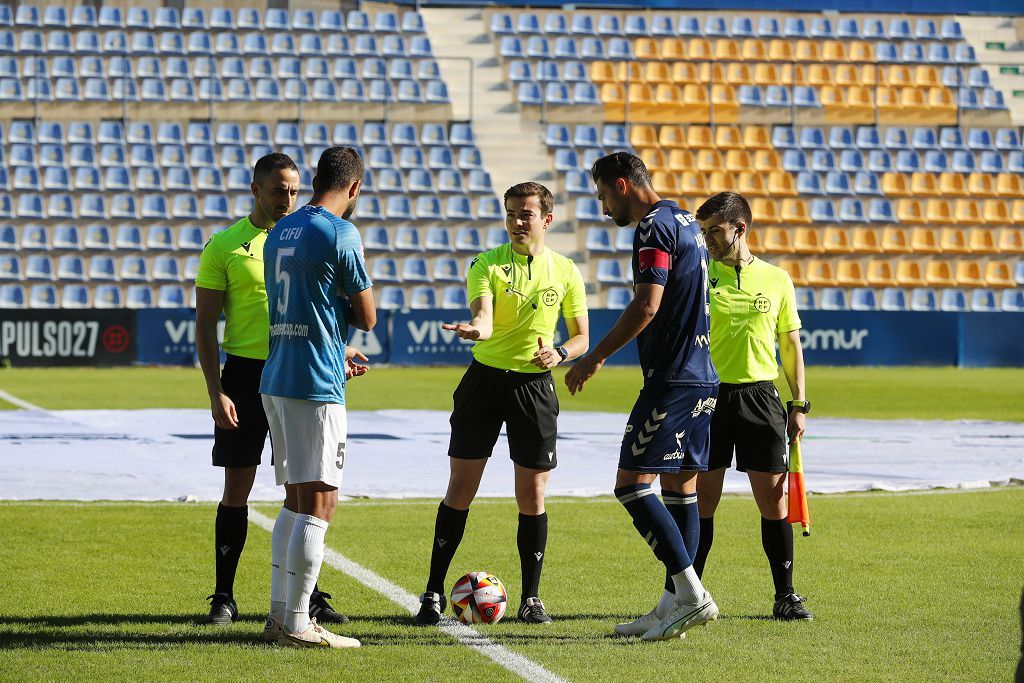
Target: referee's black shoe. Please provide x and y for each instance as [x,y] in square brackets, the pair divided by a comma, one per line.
[532,612]
[791,608]
[432,606]
[223,610]
[322,611]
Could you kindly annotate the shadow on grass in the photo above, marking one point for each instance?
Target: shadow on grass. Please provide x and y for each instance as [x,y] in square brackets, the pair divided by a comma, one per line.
[83,619]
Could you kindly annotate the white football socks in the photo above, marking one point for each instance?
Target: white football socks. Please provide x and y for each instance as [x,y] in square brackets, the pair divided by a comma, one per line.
[279,562]
[688,586]
[664,604]
[305,555]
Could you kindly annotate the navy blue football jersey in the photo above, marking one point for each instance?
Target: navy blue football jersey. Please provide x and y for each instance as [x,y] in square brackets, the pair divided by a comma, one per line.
[669,250]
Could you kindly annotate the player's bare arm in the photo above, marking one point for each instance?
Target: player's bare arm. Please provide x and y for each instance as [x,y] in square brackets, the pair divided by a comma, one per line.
[792,355]
[209,303]
[482,324]
[547,357]
[635,317]
[364,310]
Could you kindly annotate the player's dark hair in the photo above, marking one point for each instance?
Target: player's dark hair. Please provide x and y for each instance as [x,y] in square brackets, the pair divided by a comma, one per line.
[337,169]
[617,165]
[531,189]
[272,162]
[728,206]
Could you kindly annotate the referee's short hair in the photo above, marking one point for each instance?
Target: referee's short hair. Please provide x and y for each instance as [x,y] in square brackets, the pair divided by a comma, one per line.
[616,165]
[337,169]
[272,162]
[531,189]
[729,206]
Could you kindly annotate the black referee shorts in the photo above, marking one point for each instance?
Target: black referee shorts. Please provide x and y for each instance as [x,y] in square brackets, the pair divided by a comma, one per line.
[750,419]
[525,402]
[242,447]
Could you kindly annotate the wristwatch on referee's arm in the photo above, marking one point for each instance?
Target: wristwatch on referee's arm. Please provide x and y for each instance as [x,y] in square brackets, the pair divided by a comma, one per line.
[799,406]
[562,353]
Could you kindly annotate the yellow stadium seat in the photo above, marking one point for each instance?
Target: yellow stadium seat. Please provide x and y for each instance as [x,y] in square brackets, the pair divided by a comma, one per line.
[728,137]
[968,212]
[897,76]
[691,183]
[715,73]
[751,184]
[795,268]
[766,159]
[631,72]
[914,101]
[681,160]
[833,51]
[952,184]
[941,106]
[924,184]
[776,241]
[665,183]
[999,274]
[981,185]
[939,273]
[847,75]
[613,93]
[793,210]
[684,73]
[764,210]
[721,181]
[865,240]
[780,50]
[709,159]
[757,137]
[672,137]
[654,159]
[725,103]
[737,160]
[925,240]
[819,75]
[996,212]
[835,239]
[767,74]
[807,241]
[968,274]
[754,241]
[1017,211]
[860,103]
[895,240]
[699,137]
[726,49]
[1011,240]
[832,99]
[895,184]
[807,51]
[670,48]
[982,241]
[698,49]
[953,241]
[641,103]
[860,52]
[704,74]
[754,50]
[793,74]
[1009,185]
[868,75]
[888,102]
[643,135]
[910,273]
[781,184]
[880,273]
[695,97]
[602,72]
[657,72]
[820,273]
[850,273]
[939,211]
[738,73]
[646,48]
[926,76]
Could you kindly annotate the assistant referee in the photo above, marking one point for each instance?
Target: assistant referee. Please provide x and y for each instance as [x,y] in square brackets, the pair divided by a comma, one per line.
[230,279]
[753,305]
[516,294]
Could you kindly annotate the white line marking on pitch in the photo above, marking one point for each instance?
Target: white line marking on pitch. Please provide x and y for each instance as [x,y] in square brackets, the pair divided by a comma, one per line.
[14,400]
[470,637]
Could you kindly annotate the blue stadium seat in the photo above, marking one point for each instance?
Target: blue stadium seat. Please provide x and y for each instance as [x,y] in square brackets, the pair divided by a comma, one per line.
[851,160]
[420,48]
[821,28]
[38,267]
[661,25]
[950,30]
[71,267]
[953,300]
[566,160]
[1007,139]
[216,206]
[479,182]
[60,205]
[171,296]
[407,238]
[454,297]
[65,237]
[469,158]
[585,94]
[412,22]
[10,267]
[805,96]
[107,296]
[874,29]
[385,269]
[992,100]
[633,25]
[935,161]
[751,96]
[185,207]
[1011,301]
[879,161]
[1015,161]
[983,300]
[304,20]
[428,208]
[715,27]
[8,238]
[742,27]
[963,162]
[963,53]
[784,137]
[35,237]
[166,268]
[419,180]
[422,297]
[907,161]
[377,239]
[458,208]
[582,24]
[938,53]
[190,238]
[139,296]
[768,27]
[822,160]
[490,209]
[833,299]
[43,296]
[609,271]
[613,136]
[30,206]
[979,139]
[437,239]
[450,181]
[806,298]
[837,183]
[620,49]
[75,296]
[496,237]
[794,27]
[391,298]
[951,139]
[599,239]
[467,239]
[851,210]
[881,211]
[618,297]
[822,211]
[794,161]
[26,178]
[991,162]
[588,210]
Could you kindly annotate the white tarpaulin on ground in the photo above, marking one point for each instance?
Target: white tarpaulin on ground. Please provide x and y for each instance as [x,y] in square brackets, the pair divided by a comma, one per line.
[165,454]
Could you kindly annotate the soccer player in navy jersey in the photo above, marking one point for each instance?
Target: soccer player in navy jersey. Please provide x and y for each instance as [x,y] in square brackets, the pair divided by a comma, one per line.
[317,285]
[667,434]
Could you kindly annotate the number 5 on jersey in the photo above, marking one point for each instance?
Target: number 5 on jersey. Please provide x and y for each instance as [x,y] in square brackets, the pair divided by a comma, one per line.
[283,279]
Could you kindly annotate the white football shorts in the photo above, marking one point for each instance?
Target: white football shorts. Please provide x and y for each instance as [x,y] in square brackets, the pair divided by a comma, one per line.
[308,439]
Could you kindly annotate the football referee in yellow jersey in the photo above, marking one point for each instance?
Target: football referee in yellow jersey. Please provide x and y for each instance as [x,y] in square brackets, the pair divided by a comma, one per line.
[230,279]
[753,305]
[516,293]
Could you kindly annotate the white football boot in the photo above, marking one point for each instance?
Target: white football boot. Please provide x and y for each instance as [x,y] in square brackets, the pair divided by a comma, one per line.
[641,625]
[683,616]
[316,636]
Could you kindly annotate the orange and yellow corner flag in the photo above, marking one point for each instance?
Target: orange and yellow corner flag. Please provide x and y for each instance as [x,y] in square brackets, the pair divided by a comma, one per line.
[798,512]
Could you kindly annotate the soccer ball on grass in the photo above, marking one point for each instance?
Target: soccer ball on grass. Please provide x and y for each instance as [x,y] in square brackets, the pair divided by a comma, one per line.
[479,598]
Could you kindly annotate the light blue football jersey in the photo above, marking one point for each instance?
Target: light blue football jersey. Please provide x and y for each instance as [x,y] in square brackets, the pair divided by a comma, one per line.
[313,261]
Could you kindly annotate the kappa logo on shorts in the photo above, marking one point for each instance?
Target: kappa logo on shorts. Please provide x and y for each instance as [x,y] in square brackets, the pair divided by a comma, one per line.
[647,433]
[551,456]
[340,462]
[705,406]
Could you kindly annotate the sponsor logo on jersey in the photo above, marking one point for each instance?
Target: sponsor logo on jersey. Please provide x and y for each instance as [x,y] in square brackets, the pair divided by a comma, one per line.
[706,405]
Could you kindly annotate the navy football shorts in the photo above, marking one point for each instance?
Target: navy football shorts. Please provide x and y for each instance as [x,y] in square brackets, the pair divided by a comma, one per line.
[669,430]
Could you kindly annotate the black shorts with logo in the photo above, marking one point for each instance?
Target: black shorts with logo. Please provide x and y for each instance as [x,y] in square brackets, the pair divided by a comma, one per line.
[242,447]
[525,402]
[750,419]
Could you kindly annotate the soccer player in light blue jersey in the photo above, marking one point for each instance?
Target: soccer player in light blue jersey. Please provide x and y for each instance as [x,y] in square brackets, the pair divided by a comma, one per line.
[317,285]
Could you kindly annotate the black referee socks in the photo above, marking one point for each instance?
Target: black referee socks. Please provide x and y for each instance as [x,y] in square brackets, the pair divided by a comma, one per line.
[707,537]
[449,527]
[229,538]
[777,540]
[532,539]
